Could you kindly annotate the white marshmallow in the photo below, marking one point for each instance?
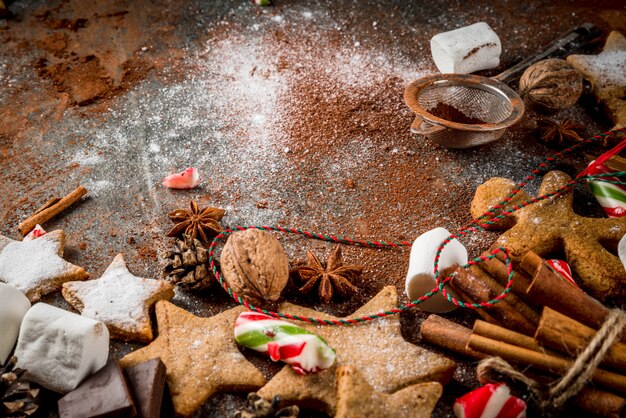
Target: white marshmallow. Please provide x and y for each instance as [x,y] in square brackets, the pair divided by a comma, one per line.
[467,49]
[13,307]
[621,250]
[60,348]
[420,278]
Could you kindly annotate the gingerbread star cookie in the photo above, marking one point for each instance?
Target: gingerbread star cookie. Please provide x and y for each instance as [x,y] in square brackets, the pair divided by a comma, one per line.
[616,110]
[552,227]
[388,362]
[607,74]
[120,300]
[356,398]
[200,356]
[36,267]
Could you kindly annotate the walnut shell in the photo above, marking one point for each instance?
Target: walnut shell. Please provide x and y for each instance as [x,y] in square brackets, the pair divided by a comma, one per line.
[552,84]
[255,266]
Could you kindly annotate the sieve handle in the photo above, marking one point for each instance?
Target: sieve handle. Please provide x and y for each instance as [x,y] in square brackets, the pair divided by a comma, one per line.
[422,127]
[563,45]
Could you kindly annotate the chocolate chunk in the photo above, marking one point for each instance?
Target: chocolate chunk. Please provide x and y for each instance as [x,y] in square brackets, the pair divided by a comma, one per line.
[147,381]
[104,394]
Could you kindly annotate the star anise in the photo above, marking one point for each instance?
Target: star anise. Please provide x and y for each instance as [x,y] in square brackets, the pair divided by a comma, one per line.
[563,133]
[202,224]
[331,276]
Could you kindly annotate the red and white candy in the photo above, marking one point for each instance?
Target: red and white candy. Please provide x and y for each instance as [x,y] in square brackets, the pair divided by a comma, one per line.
[612,197]
[37,232]
[282,340]
[494,400]
[188,179]
[563,269]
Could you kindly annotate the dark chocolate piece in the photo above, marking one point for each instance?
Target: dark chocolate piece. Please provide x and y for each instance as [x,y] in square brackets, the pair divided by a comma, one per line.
[147,381]
[103,394]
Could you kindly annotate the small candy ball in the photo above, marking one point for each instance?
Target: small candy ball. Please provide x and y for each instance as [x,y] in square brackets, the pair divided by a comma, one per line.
[551,84]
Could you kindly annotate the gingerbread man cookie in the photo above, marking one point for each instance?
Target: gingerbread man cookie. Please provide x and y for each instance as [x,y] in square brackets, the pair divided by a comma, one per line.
[551,227]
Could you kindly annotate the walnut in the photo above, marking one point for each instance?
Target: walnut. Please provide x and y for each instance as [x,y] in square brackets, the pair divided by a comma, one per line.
[255,266]
[552,84]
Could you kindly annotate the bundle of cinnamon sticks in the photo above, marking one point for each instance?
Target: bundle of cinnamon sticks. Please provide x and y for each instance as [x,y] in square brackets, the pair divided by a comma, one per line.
[515,331]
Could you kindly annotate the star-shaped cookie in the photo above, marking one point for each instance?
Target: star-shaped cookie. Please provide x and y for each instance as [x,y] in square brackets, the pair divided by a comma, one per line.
[200,356]
[552,227]
[388,362]
[607,74]
[120,300]
[616,111]
[36,267]
[356,398]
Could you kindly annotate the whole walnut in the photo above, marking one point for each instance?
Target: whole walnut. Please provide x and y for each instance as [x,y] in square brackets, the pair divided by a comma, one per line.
[552,84]
[255,266]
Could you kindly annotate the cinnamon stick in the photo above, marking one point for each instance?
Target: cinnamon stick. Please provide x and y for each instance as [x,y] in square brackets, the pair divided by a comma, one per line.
[499,333]
[481,312]
[480,287]
[550,363]
[549,289]
[569,336]
[50,210]
[597,402]
[601,403]
[448,335]
[498,270]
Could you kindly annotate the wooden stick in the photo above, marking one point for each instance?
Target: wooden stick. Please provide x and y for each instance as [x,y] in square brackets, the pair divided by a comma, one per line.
[570,337]
[449,335]
[549,289]
[553,364]
[479,286]
[50,210]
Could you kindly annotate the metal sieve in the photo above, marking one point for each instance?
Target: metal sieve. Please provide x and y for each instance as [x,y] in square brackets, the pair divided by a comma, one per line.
[464,110]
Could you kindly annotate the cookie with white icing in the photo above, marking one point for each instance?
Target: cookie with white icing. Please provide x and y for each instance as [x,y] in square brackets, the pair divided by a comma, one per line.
[36,267]
[120,300]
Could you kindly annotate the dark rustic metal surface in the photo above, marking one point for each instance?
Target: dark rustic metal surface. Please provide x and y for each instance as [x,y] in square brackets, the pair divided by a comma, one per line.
[292,113]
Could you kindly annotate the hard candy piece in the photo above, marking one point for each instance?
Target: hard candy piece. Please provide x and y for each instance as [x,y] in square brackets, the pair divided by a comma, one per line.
[282,340]
[147,383]
[467,49]
[37,232]
[612,197]
[494,400]
[563,269]
[104,394]
[60,348]
[13,307]
[188,179]
[420,277]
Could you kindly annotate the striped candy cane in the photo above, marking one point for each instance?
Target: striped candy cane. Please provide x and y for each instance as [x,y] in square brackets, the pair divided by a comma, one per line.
[282,340]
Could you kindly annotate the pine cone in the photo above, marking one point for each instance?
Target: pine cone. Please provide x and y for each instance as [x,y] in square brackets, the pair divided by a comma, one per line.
[188,265]
[258,407]
[17,397]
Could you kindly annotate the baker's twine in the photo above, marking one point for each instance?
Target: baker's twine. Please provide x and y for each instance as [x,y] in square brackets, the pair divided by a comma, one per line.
[490,217]
[551,398]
